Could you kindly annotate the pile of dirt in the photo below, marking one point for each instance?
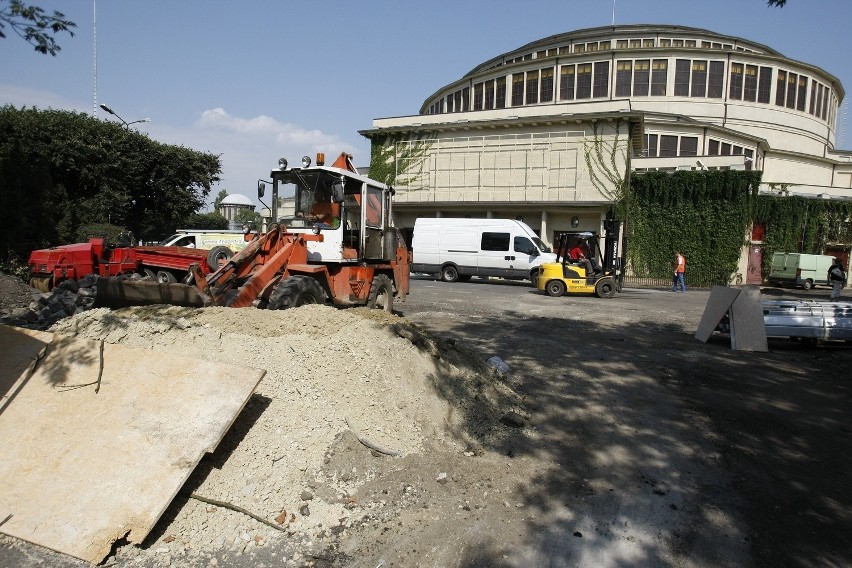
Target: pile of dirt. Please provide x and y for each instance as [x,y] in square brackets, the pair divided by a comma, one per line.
[334,379]
[15,293]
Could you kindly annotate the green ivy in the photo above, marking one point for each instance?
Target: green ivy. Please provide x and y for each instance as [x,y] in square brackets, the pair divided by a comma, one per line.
[801,224]
[386,153]
[703,214]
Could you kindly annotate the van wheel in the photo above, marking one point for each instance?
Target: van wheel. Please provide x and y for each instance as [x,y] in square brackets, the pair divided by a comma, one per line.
[449,273]
[296,291]
[555,288]
[381,293]
[534,277]
[217,255]
[166,277]
[605,288]
[808,284]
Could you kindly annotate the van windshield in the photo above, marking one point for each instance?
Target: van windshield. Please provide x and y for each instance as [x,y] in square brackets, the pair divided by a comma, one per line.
[540,244]
[169,239]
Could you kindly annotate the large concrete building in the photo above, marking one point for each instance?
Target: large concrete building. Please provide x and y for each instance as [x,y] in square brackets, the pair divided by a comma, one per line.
[543,132]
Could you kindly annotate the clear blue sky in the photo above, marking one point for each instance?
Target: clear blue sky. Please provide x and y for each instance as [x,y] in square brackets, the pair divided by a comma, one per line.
[256,80]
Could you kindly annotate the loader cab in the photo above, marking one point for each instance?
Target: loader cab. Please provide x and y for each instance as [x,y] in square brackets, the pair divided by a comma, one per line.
[350,211]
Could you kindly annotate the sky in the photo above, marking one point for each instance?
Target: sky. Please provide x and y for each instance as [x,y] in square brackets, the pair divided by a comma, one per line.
[256,80]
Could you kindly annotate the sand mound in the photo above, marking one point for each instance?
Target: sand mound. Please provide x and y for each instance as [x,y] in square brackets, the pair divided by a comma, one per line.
[329,373]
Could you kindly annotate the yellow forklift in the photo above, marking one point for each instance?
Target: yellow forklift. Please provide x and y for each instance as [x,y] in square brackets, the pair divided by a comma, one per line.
[598,274]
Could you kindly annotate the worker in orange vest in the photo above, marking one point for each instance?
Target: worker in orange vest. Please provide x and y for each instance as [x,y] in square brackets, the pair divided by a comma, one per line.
[679,269]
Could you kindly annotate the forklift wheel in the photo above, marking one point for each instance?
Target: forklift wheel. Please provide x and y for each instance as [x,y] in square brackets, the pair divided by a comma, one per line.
[605,288]
[555,288]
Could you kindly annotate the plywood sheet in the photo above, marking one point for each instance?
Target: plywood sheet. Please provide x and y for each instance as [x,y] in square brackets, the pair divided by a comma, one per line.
[81,468]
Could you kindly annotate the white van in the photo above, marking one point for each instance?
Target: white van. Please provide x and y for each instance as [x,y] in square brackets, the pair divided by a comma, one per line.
[457,249]
[234,240]
[794,269]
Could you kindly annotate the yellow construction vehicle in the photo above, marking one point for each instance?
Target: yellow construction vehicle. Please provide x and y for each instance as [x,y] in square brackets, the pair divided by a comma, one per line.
[589,273]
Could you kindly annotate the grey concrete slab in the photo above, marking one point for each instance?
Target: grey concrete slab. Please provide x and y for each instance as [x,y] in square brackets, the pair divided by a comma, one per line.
[720,300]
[748,330]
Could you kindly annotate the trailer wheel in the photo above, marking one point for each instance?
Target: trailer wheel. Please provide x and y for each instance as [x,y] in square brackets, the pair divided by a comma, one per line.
[449,273]
[217,255]
[166,277]
[296,291]
[150,274]
[42,283]
[555,288]
[605,288]
[381,293]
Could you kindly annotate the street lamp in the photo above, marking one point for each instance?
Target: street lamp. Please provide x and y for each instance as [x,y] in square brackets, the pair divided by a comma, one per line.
[126,124]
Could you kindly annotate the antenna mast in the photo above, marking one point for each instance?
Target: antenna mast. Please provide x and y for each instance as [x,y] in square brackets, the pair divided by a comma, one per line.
[95,56]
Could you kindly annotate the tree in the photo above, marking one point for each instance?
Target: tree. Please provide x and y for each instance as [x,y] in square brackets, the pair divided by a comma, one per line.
[206,221]
[62,170]
[249,218]
[33,25]
[223,193]
[776,3]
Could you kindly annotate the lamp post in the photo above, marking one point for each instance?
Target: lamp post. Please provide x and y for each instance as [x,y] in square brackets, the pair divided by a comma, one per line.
[124,122]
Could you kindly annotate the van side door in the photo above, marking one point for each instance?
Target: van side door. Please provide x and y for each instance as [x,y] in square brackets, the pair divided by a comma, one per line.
[495,255]
[525,253]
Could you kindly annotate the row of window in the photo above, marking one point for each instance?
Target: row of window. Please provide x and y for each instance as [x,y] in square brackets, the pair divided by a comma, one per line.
[620,43]
[697,78]
[671,146]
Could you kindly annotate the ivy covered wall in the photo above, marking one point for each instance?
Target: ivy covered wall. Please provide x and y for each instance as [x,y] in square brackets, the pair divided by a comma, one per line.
[703,214]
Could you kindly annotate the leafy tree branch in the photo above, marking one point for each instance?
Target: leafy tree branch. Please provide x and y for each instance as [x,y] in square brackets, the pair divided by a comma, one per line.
[34,25]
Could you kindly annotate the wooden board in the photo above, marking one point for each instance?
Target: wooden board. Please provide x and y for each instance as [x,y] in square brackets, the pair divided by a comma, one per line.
[82,469]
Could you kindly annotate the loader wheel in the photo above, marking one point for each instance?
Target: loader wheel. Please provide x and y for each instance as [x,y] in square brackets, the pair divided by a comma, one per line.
[449,273]
[296,291]
[217,255]
[555,288]
[605,288]
[166,277]
[381,293]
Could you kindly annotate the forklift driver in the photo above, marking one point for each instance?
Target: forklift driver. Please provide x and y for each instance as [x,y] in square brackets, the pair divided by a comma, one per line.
[579,254]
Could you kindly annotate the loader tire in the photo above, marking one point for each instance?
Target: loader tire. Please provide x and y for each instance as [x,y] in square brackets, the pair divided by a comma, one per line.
[296,291]
[605,288]
[381,293]
[217,255]
[166,277]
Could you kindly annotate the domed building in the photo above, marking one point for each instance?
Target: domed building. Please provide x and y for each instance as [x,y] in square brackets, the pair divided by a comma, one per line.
[543,132]
[230,207]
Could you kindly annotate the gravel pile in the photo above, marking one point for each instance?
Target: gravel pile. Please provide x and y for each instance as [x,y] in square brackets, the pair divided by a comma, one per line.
[331,374]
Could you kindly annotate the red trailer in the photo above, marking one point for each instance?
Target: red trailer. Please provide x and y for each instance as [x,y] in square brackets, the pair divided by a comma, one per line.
[49,267]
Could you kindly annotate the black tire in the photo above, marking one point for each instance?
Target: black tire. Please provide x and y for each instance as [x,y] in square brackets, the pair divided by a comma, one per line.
[166,277]
[381,293]
[296,291]
[150,274]
[808,284]
[555,288]
[217,254]
[534,277]
[605,288]
[449,273]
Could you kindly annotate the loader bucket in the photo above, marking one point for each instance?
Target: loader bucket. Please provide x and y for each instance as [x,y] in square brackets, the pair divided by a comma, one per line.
[115,293]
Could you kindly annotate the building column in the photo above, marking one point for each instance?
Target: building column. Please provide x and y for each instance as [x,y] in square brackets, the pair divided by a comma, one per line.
[543,233]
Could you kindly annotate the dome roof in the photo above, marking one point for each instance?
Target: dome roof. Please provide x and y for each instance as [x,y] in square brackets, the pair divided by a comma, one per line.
[237,199]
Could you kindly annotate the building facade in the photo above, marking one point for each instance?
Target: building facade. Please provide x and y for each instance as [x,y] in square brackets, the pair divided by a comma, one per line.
[545,132]
[230,207]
